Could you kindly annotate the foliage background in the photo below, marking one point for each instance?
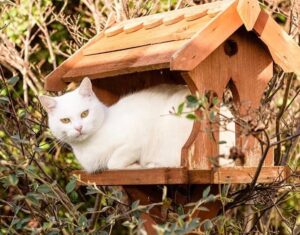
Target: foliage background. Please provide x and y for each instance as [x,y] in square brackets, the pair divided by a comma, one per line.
[37,194]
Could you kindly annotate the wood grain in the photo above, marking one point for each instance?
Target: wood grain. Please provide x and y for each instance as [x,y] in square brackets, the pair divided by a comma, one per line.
[114,30]
[153,23]
[124,61]
[284,49]
[54,81]
[169,20]
[136,177]
[195,15]
[207,39]
[238,175]
[249,11]
[130,28]
[157,176]
[213,74]
[159,34]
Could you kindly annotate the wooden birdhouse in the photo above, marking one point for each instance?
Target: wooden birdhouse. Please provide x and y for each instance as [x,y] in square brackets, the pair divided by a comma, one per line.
[206,47]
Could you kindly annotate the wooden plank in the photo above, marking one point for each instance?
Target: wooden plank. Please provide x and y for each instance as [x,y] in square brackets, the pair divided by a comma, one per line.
[249,11]
[156,34]
[159,34]
[156,176]
[53,81]
[238,175]
[195,15]
[136,177]
[125,61]
[284,49]
[207,39]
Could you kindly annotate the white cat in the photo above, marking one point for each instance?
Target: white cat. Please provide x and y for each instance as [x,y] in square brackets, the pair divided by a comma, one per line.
[137,131]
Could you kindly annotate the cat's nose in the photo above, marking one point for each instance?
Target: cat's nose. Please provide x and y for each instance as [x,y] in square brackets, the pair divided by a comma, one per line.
[78,128]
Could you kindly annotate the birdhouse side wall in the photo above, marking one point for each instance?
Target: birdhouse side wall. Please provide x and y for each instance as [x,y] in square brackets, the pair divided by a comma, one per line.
[243,62]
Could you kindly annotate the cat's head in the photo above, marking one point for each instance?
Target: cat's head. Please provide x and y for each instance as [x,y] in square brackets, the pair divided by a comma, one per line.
[74,116]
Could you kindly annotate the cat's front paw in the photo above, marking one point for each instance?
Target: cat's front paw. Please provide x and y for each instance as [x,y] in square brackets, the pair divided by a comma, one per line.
[93,170]
[152,165]
[134,166]
[115,165]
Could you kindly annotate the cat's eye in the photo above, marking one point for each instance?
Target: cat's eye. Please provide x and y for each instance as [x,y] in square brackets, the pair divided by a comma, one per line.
[65,120]
[84,114]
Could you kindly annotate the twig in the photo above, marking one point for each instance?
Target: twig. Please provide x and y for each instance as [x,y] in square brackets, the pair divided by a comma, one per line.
[95,214]
[279,116]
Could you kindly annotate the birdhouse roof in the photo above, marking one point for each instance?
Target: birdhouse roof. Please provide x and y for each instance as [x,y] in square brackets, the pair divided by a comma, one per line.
[179,40]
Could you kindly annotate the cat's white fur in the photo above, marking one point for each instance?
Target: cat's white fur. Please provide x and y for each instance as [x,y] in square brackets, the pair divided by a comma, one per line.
[137,131]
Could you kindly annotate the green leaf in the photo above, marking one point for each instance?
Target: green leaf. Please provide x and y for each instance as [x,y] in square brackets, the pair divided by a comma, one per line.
[212,116]
[22,223]
[191,116]
[43,188]
[280,18]
[10,180]
[192,101]
[210,198]
[225,190]
[82,221]
[4,99]
[71,186]
[206,192]
[74,196]
[180,109]
[13,80]
[135,204]
[21,113]
[191,226]
[208,225]
[33,198]
[180,210]
[222,142]
[44,146]
[215,100]
[3,92]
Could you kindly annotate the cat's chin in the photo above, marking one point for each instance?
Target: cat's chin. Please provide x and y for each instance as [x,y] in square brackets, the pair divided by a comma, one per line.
[78,139]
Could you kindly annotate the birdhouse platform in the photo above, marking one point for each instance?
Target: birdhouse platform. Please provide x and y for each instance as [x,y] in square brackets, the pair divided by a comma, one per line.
[232,43]
[166,176]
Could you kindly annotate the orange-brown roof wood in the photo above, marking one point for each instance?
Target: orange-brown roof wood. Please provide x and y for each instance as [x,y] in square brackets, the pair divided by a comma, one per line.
[178,40]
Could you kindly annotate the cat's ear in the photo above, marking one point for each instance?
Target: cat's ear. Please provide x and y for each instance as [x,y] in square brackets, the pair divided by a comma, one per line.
[47,102]
[85,88]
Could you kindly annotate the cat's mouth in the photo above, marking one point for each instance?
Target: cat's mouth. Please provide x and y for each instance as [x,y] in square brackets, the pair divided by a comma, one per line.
[80,136]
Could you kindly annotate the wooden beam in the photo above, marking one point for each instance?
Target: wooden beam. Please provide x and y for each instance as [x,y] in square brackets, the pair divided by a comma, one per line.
[54,81]
[285,51]
[237,175]
[166,176]
[249,11]
[207,39]
[135,177]
[125,61]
